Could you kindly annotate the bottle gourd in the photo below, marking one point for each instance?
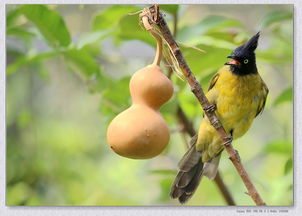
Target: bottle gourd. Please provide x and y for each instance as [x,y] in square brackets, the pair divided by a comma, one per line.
[140,132]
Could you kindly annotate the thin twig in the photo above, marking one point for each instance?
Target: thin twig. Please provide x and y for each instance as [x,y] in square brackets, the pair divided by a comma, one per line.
[224,190]
[156,18]
[187,124]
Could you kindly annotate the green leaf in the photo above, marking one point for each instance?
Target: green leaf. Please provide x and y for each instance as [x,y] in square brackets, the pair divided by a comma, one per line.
[81,59]
[285,96]
[172,9]
[209,24]
[170,107]
[205,80]
[201,62]
[129,29]
[49,23]
[83,63]
[28,59]
[189,103]
[12,17]
[274,17]
[280,147]
[211,41]
[20,32]
[288,166]
[111,16]
[92,37]
[116,96]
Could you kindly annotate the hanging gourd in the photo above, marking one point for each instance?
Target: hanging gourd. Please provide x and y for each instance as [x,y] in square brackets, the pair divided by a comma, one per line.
[140,132]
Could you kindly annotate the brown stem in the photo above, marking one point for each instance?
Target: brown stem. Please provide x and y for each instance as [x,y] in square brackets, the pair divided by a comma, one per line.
[159,41]
[224,190]
[157,18]
[187,124]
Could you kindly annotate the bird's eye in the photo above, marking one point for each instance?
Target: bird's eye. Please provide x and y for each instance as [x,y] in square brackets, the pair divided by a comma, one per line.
[246,61]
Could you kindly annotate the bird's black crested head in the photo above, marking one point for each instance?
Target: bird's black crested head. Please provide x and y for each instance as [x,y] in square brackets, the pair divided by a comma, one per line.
[243,59]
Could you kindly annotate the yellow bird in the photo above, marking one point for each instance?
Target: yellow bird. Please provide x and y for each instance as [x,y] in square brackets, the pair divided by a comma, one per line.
[238,95]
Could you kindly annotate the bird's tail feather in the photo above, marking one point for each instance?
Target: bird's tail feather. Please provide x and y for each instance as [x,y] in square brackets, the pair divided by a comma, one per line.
[189,175]
[191,170]
[210,168]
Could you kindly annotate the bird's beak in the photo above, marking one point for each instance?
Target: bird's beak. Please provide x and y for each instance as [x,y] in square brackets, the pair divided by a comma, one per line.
[232,61]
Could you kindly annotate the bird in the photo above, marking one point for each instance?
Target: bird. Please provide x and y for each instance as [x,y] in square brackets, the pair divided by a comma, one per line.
[237,95]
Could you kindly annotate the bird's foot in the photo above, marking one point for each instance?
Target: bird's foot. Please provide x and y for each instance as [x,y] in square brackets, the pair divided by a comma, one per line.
[228,141]
[216,123]
[211,108]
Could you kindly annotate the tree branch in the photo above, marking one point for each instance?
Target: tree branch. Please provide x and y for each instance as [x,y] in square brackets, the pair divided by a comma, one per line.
[189,129]
[156,18]
[224,190]
[183,119]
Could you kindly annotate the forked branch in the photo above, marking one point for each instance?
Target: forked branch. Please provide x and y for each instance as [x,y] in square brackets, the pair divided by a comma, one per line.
[156,18]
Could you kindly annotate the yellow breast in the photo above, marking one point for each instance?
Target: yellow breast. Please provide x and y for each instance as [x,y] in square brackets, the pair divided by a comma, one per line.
[238,100]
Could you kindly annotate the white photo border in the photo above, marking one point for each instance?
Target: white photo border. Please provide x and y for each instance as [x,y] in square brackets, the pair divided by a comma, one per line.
[296,209]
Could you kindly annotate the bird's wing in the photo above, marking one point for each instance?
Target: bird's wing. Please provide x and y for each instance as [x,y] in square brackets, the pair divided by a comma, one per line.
[213,81]
[263,100]
[212,93]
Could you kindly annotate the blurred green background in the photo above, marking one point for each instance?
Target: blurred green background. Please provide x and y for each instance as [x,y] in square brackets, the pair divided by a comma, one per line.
[68,68]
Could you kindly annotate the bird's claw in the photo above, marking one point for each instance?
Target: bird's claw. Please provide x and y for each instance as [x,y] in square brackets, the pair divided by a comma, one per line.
[228,141]
[210,108]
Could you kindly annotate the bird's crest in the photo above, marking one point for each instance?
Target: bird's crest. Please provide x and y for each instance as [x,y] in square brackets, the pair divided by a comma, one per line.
[252,43]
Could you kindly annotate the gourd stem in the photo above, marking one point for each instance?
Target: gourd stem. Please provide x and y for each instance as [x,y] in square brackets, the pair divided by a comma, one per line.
[159,48]
[159,42]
